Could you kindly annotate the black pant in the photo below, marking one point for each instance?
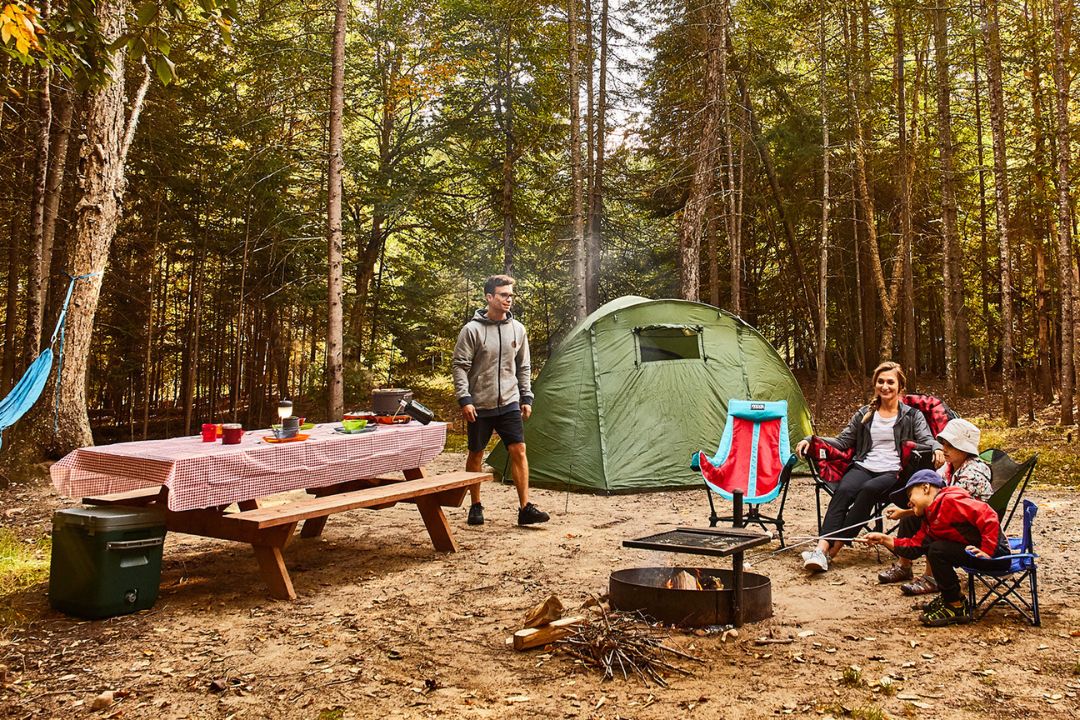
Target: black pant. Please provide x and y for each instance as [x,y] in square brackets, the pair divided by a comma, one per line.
[945,556]
[853,501]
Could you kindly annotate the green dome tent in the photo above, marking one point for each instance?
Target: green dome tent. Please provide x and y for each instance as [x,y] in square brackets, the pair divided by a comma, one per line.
[638,386]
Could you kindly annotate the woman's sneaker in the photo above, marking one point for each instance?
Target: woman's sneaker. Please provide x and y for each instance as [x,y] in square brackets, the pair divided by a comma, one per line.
[946,614]
[530,515]
[815,561]
[476,514]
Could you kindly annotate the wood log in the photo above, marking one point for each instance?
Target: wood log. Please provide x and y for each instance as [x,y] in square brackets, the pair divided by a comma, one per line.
[683,580]
[538,637]
[544,613]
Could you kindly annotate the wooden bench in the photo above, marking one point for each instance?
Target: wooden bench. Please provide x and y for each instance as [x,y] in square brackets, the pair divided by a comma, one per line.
[269,529]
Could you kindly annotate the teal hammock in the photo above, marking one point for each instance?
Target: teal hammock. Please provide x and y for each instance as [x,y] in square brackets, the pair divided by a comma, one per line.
[27,391]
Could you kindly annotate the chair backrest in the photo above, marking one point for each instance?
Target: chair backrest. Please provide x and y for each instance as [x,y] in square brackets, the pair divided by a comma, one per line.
[753,451]
[934,409]
[1008,480]
[1030,511]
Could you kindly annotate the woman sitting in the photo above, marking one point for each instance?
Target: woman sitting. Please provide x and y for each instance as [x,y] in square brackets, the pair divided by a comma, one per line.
[963,468]
[877,432]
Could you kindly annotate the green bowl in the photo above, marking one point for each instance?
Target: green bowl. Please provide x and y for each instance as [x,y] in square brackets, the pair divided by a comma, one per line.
[354,425]
[307,426]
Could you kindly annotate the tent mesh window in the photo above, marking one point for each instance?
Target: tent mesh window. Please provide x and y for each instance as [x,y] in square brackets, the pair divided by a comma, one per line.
[657,343]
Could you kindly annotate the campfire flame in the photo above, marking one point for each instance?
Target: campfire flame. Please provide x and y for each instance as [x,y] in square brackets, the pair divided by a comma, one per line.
[682,580]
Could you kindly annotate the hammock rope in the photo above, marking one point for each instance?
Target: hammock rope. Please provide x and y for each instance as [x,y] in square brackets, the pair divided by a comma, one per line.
[27,391]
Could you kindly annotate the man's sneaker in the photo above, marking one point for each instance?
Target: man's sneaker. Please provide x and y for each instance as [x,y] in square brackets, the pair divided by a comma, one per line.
[896,573]
[476,514]
[815,561]
[946,614]
[530,515]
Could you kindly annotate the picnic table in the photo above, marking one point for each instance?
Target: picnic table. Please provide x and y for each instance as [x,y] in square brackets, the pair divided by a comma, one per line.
[220,491]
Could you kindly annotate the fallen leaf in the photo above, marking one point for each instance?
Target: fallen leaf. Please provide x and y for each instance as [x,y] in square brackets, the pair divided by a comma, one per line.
[102,701]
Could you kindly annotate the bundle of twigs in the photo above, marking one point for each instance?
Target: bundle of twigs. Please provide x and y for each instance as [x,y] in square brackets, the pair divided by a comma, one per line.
[624,644]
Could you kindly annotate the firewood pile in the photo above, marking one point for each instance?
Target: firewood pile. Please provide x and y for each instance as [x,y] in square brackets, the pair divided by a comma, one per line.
[624,644]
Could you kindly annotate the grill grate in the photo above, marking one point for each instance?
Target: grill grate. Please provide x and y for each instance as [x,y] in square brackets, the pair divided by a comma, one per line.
[700,541]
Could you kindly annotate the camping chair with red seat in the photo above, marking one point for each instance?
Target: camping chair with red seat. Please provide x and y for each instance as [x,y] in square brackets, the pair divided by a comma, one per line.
[754,458]
[828,464]
[1006,586]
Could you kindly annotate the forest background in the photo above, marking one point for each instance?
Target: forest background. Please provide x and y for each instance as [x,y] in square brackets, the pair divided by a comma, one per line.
[302,199]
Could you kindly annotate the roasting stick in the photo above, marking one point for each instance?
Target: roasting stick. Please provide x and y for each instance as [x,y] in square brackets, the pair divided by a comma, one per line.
[768,555]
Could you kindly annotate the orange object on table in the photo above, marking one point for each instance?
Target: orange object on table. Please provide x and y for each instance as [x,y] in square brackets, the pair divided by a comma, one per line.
[295,438]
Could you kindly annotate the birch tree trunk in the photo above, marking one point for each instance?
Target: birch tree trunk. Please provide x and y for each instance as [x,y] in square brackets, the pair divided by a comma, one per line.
[1062,12]
[991,37]
[35,298]
[576,189]
[334,329]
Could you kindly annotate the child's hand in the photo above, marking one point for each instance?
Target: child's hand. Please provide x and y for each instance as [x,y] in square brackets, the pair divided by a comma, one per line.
[895,513]
[976,552]
[876,538]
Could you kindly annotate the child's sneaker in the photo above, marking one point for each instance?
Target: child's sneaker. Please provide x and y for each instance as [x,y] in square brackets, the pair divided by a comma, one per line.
[476,514]
[946,614]
[530,515]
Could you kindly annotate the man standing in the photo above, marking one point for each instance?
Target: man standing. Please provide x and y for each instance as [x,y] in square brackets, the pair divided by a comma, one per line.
[494,389]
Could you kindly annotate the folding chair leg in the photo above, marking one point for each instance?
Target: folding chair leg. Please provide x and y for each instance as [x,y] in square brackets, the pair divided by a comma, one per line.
[713,517]
[1034,584]
[817,497]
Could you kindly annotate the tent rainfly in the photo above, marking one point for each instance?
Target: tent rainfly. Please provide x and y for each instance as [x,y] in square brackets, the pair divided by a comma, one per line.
[637,387]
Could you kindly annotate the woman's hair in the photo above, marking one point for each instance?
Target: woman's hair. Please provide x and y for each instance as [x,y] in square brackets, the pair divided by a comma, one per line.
[901,378]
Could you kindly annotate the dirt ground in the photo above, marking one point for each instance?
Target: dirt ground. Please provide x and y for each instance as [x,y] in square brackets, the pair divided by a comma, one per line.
[385,627]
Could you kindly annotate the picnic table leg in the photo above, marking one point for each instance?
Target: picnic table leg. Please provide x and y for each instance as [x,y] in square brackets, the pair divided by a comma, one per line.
[272,563]
[313,527]
[437,525]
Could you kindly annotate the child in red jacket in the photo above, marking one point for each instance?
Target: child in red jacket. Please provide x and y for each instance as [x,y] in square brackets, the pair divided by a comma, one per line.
[956,530]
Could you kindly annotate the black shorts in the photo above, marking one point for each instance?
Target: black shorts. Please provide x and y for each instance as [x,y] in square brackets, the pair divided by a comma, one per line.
[508,426]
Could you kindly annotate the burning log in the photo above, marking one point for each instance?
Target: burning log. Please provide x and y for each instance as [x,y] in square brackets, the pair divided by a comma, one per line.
[683,580]
[618,644]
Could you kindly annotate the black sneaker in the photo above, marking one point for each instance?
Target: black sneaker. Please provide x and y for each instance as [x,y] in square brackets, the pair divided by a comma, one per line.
[476,514]
[530,515]
[946,614]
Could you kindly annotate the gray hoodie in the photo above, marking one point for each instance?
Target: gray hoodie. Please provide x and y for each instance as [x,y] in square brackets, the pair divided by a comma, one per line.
[491,365]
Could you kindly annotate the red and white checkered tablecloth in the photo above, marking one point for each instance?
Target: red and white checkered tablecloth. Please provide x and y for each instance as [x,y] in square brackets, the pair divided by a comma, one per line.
[202,475]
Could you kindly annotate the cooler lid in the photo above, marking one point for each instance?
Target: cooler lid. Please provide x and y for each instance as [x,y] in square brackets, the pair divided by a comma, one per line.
[104,519]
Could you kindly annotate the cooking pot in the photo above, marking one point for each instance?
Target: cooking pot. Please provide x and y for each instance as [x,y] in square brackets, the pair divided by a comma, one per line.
[387,401]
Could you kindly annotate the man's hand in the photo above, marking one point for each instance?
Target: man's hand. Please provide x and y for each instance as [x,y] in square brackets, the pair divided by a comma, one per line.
[876,538]
[469,412]
[526,411]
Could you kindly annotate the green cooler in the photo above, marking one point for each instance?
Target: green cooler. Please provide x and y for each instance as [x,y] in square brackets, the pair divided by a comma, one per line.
[105,560]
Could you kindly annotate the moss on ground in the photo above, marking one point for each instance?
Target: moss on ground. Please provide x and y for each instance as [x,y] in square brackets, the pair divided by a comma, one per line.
[22,564]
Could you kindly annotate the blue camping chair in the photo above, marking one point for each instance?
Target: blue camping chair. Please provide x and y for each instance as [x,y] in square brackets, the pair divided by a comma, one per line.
[1007,585]
[754,458]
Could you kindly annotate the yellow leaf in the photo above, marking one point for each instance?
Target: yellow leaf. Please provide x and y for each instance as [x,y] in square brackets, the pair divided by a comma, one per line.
[5,33]
[22,46]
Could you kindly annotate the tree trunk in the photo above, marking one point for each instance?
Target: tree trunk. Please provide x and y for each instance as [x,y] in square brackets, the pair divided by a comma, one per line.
[504,114]
[907,170]
[334,342]
[954,315]
[576,180]
[1064,226]
[1043,376]
[991,37]
[823,250]
[731,211]
[692,223]
[64,108]
[102,186]
[35,297]
[596,203]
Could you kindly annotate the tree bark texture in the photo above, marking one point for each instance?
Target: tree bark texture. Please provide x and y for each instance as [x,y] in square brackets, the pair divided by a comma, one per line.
[992,40]
[823,250]
[596,202]
[1062,81]
[576,171]
[334,324]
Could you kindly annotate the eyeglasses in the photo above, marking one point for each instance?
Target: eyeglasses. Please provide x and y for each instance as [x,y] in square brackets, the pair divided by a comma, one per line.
[505,296]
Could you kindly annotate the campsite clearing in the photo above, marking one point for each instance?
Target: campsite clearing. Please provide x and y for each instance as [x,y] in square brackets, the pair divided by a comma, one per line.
[388,628]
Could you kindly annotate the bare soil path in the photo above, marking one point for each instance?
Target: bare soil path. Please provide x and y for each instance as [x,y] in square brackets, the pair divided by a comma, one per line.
[387,628]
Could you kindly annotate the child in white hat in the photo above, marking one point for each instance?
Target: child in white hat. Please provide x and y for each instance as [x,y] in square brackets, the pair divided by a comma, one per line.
[963,468]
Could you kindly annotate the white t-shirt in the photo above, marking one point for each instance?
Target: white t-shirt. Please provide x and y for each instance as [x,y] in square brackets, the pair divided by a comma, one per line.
[882,457]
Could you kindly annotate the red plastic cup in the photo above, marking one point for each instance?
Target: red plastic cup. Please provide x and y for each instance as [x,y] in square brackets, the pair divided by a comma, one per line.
[209,432]
[231,433]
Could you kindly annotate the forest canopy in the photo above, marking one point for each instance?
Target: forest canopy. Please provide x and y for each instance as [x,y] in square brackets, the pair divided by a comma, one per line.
[858,180]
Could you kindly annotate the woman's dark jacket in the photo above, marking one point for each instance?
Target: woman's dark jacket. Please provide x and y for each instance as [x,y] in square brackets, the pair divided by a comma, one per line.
[910,425]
